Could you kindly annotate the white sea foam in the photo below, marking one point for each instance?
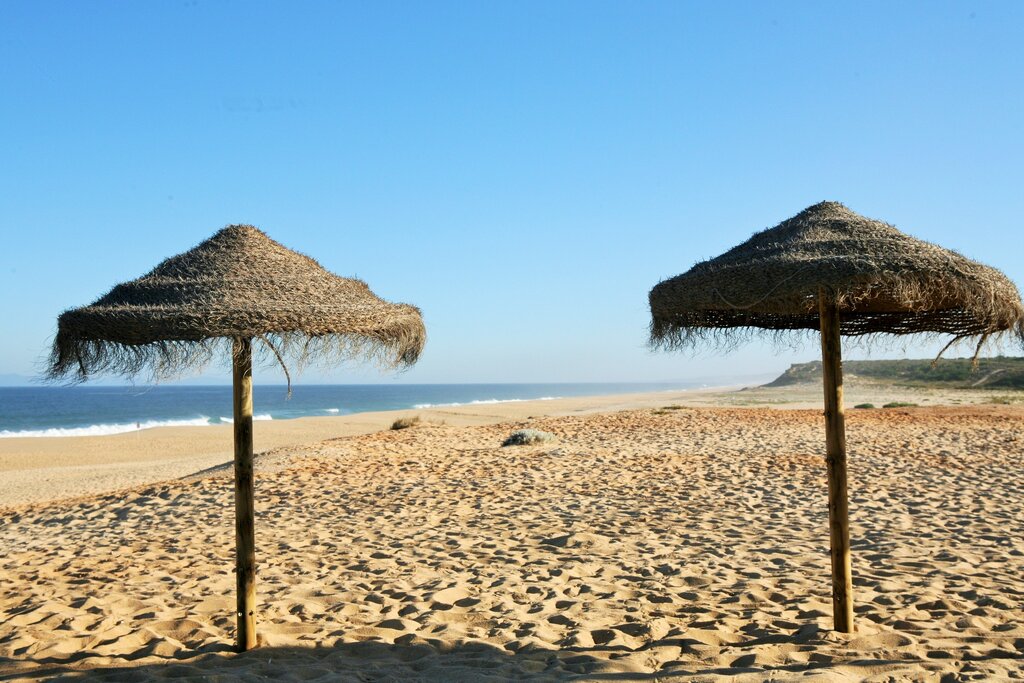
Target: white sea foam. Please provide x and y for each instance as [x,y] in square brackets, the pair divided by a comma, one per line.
[104,429]
[332,410]
[486,401]
[229,421]
[119,428]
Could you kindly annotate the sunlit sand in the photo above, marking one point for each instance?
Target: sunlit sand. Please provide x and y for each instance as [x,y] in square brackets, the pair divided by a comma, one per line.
[663,540]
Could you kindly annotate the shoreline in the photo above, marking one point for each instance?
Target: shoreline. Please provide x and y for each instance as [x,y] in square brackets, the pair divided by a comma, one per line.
[116,427]
[40,469]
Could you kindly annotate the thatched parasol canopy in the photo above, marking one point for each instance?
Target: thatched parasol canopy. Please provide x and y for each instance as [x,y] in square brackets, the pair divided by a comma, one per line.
[237,284]
[235,287]
[883,281]
[832,270]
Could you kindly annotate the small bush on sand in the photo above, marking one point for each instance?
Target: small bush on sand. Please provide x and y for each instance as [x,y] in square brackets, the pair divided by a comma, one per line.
[900,404]
[1003,400]
[405,422]
[527,437]
[865,406]
[665,410]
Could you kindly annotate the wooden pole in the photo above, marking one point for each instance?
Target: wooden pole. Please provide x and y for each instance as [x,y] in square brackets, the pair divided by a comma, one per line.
[835,430]
[245,509]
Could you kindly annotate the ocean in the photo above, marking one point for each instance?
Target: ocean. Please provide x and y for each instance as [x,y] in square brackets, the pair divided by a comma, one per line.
[94,410]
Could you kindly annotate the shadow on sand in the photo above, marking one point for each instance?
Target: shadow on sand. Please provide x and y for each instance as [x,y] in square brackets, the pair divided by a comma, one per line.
[411,661]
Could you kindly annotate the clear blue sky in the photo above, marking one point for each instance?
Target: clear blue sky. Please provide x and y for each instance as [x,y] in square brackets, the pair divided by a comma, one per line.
[524,172]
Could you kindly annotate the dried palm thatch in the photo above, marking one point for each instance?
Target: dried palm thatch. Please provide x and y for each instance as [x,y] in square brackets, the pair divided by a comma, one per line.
[882,281]
[237,284]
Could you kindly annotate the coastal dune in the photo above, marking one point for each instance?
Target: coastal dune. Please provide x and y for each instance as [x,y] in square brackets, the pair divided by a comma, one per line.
[665,541]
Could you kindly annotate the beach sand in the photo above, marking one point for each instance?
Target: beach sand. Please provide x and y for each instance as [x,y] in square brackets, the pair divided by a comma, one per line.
[659,537]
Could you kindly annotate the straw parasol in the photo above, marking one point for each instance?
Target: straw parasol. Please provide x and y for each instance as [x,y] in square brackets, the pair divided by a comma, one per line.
[234,288]
[832,270]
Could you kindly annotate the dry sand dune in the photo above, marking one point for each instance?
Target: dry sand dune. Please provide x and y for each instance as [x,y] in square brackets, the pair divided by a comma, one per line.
[685,544]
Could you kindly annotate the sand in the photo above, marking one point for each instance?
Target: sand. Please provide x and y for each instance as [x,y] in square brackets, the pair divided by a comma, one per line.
[647,542]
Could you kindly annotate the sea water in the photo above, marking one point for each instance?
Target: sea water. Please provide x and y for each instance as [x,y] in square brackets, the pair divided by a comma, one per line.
[95,410]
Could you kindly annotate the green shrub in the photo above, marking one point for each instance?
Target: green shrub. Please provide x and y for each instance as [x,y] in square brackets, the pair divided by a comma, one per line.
[405,422]
[527,437]
[1004,400]
[865,406]
[900,404]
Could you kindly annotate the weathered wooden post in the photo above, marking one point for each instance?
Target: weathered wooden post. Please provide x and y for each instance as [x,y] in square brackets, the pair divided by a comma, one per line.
[245,508]
[835,458]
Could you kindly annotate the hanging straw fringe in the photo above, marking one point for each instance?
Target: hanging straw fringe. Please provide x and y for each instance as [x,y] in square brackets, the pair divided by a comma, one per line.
[945,348]
[977,351]
[277,354]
